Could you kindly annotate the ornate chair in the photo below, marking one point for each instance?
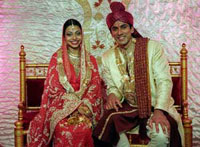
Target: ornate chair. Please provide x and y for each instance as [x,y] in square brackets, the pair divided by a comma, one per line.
[32,78]
[178,72]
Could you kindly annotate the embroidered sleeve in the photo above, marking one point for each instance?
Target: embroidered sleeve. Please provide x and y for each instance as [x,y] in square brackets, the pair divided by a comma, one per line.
[111,87]
[162,78]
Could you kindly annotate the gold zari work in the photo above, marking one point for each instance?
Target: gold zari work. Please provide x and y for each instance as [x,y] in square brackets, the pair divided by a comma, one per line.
[77,118]
[127,72]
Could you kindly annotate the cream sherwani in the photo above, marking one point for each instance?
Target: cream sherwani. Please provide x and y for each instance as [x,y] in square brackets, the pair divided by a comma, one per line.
[160,79]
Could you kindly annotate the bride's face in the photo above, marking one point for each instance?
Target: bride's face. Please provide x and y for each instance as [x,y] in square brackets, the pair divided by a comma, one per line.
[73,37]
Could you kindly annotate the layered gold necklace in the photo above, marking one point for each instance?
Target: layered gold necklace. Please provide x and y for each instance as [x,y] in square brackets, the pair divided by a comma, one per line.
[75,60]
[126,70]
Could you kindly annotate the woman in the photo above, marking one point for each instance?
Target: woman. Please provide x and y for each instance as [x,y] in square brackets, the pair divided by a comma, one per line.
[71,101]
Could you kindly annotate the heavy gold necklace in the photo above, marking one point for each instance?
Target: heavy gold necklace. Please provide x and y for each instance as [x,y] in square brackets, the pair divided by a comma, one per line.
[73,54]
[75,61]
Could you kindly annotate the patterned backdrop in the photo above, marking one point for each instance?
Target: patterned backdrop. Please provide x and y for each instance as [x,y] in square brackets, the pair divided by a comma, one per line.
[37,24]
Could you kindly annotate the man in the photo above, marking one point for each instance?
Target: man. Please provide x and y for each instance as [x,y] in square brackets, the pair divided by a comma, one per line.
[139,86]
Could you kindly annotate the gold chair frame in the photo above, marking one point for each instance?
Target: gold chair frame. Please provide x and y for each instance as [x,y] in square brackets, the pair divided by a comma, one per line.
[19,131]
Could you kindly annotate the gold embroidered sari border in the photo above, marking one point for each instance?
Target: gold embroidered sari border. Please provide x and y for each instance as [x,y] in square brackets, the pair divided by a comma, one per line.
[61,114]
[62,77]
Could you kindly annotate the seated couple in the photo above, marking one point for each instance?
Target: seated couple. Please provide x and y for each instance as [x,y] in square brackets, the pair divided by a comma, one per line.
[139,86]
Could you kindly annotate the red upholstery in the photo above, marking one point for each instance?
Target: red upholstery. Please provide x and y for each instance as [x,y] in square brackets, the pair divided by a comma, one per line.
[28,116]
[176,90]
[35,89]
[34,92]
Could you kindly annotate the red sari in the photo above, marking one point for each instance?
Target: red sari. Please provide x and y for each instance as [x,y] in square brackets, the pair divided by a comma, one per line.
[62,96]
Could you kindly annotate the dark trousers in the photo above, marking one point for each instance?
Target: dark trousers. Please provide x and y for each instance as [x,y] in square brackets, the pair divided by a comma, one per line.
[112,123]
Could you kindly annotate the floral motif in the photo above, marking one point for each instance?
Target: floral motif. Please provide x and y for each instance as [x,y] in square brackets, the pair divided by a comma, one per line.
[98,45]
[97,4]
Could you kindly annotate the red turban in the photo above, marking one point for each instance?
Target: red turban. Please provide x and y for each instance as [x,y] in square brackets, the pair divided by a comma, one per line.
[118,13]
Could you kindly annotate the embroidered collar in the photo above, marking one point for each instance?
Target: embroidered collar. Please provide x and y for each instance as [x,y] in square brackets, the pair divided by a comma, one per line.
[128,78]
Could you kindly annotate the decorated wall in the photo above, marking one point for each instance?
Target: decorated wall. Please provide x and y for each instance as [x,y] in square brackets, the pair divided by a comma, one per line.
[37,24]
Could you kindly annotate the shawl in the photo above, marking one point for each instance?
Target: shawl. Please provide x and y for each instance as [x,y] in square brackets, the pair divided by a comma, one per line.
[142,84]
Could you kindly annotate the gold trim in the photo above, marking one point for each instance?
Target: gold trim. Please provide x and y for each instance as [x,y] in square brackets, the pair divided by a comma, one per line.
[86,72]
[174,64]
[19,139]
[175,75]
[32,108]
[186,120]
[35,77]
[62,76]
[104,127]
[37,65]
